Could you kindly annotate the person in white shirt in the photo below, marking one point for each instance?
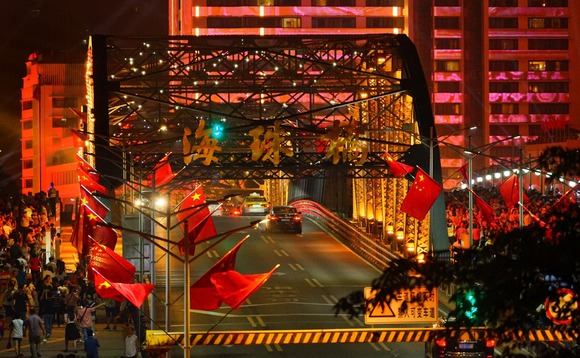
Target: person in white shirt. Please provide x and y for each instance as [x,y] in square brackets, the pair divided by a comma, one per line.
[16,333]
[131,344]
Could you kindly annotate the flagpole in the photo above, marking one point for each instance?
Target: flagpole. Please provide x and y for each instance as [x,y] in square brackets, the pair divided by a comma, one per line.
[469,186]
[521,189]
[186,284]
[167,271]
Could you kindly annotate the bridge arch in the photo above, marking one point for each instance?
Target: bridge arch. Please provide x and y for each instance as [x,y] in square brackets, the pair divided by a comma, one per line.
[303,117]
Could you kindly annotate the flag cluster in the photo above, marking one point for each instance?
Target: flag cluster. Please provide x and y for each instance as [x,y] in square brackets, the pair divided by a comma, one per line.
[423,191]
[195,218]
[223,284]
[112,274]
[91,212]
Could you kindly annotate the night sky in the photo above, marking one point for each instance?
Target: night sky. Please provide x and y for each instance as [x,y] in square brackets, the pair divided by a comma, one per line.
[30,25]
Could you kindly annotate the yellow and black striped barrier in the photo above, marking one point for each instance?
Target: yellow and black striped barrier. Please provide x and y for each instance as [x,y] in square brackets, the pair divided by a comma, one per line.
[157,339]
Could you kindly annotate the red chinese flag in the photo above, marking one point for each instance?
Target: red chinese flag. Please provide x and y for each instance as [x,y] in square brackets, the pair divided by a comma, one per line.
[421,196]
[463,171]
[566,200]
[235,288]
[162,171]
[136,293]
[104,287]
[398,169]
[510,191]
[79,138]
[105,236]
[199,222]
[110,264]
[87,199]
[484,208]
[203,293]
[79,237]
[90,180]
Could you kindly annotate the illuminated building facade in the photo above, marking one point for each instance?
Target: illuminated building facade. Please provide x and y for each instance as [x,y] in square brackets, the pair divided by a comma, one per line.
[53,93]
[509,67]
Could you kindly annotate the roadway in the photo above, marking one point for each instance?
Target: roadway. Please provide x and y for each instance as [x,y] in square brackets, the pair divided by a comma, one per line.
[315,271]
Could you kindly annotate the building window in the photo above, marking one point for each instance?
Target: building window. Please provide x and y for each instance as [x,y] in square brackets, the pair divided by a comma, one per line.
[503,3]
[448,87]
[59,122]
[547,44]
[291,22]
[58,102]
[447,22]
[447,2]
[26,125]
[547,23]
[224,22]
[225,2]
[504,108]
[385,22]
[503,87]
[334,22]
[447,66]
[500,65]
[27,164]
[27,183]
[549,108]
[265,2]
[503,130]
[448,43]
[548,3]
[399,3]
[26,105]
[447,108]
[548,87]
[28,144]
[503,44]
[538,65]
[333,2]
[503,22]
[255,22]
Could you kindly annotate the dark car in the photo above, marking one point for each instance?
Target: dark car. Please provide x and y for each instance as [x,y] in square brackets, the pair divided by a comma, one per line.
[284,218]
[444,348]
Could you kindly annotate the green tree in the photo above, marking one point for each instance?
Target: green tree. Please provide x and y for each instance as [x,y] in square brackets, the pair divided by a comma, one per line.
[503,285]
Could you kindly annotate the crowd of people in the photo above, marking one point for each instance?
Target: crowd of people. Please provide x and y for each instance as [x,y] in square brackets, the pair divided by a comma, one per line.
[537,208]
[38,293]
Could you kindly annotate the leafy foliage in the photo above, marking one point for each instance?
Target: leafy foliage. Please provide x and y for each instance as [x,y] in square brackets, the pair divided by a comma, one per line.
[510,279]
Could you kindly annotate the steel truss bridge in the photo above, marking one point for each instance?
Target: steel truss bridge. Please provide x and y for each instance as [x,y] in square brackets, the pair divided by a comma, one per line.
[294,110]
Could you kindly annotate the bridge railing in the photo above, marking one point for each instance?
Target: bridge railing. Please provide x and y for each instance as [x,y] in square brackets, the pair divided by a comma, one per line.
[368,247]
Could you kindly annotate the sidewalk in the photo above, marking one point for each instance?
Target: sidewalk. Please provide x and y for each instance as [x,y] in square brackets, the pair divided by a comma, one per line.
[112,344]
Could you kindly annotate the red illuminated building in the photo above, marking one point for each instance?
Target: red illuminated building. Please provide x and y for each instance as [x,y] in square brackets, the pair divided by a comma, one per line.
[509,67]
[53,93]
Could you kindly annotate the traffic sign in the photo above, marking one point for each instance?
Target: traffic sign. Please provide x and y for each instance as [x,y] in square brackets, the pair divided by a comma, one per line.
[560,308]
[406,307]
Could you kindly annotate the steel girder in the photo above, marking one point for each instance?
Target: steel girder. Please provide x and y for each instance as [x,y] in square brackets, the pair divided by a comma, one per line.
[291,107]
[156,87]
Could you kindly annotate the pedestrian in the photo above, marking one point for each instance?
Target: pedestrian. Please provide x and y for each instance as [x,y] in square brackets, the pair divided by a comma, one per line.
[84,318]
[111,310]
[52,200]
[131,344]
[33,324]
[71,332]
[16,333]
[91,345]
[48,313]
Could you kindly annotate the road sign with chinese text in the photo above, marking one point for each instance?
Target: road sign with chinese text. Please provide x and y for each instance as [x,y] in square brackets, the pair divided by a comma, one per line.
[405,307]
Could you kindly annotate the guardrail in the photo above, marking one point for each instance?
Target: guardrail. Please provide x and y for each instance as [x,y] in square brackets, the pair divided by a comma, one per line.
[345,231]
